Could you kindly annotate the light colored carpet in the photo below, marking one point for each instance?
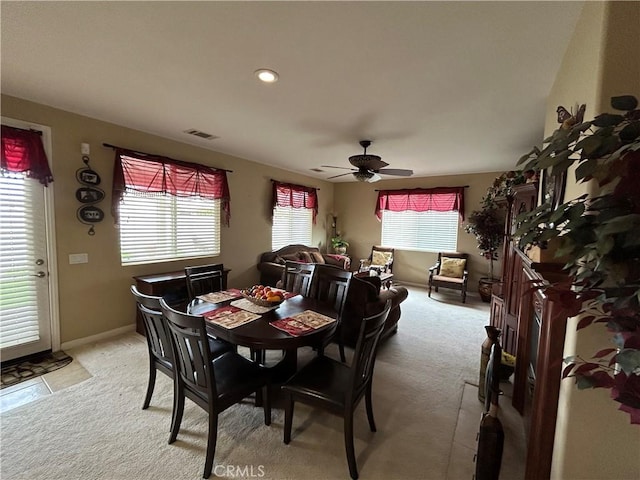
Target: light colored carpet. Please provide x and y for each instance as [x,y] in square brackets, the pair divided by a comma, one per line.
[97,429]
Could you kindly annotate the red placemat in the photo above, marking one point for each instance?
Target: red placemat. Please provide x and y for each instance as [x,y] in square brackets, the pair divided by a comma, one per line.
[302,323]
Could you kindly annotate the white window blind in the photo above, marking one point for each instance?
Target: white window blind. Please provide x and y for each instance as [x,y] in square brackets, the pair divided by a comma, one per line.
[423,231]
[157,228]
[20,239]
[291,225]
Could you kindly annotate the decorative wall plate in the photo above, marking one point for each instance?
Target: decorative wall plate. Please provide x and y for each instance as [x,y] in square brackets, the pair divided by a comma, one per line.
[89,195]
[88,176]
[90,214]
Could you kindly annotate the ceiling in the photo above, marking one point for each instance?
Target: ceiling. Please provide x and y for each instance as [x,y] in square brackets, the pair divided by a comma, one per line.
[439,87]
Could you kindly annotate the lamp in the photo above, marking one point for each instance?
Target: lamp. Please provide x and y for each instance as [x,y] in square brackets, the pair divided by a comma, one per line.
[366,176]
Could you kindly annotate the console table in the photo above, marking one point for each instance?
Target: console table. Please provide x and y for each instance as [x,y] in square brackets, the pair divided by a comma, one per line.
[170,285]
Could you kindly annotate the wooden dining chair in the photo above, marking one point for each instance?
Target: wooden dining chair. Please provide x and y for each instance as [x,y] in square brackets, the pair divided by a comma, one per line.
[204,279]
[159,343]
[297,277]
[214,385]
[330,285]
[338,388]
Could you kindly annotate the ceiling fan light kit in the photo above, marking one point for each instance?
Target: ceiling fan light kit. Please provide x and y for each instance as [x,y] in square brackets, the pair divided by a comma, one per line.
[368,166]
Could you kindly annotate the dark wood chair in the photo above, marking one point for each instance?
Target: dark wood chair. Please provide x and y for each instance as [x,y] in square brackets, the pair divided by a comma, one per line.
[330,285]
[337,387]
[212,385]
[204,279]
[297,277]
[159,343]
[450,271]
[380,258]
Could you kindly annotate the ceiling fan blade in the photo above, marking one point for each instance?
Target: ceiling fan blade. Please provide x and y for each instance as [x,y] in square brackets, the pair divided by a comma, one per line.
[399,172]
[341,175]
[333,166]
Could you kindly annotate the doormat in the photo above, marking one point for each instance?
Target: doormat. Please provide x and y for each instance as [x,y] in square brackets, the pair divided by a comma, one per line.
[33,366]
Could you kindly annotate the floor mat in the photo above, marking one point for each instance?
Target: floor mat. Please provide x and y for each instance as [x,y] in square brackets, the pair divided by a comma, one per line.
[32,367]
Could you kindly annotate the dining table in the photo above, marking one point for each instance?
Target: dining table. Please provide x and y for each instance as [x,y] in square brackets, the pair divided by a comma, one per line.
[259,334]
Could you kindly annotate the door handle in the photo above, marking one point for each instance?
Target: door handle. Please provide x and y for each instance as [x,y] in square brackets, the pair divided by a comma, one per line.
[40,274]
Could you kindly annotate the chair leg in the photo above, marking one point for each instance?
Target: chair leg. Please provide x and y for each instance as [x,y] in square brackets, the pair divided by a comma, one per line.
[348,444]
[151,384]
[177,414]
[288,417]
[369,405]
[464,296]
[267,404]
[343,358]
[429,289]
[211,444]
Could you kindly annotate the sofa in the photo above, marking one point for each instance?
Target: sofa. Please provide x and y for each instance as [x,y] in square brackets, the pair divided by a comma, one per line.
[366,298]
[271,264]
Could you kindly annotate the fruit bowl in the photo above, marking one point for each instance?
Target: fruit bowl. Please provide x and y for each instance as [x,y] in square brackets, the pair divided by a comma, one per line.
[255,294]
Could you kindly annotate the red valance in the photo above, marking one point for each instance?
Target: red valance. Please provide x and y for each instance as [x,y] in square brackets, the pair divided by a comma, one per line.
[296,196]
[22,151]
[135,171]
[441,199]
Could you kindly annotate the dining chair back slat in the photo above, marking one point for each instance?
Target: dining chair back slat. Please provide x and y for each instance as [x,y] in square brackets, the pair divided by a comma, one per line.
[297,277]
[330,285]
[204,279]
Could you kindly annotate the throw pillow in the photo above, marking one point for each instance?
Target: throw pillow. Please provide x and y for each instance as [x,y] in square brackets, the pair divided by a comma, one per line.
[381,258]
[305,257]
[452,267]
[317,257]
[279,260]
[292,257]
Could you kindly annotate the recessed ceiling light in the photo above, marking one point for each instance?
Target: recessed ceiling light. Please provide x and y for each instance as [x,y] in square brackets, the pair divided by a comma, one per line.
[266,75]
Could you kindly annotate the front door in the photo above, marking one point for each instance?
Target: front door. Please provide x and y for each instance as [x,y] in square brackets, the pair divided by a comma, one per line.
[25,298]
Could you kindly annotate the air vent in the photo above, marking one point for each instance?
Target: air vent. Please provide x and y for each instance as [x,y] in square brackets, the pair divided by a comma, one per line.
[201,134]
[319,170]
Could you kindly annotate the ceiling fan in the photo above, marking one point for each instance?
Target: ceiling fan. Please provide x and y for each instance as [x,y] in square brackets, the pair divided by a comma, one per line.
[368,167]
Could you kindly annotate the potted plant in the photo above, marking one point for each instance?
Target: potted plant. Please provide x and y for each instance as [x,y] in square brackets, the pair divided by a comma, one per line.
[487,225]
[600,236]
[339,245]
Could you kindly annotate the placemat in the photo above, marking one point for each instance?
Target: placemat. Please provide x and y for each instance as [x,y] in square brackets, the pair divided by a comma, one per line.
[230,316]
[249,306]
[222,296]
[302,323]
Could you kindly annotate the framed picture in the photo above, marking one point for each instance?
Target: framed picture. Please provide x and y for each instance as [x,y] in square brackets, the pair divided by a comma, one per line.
[89,194]
[88,176]
[90,214]
[552,187]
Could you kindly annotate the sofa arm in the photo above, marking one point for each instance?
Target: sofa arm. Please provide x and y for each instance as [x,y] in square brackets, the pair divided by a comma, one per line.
[397,295]
[341,261]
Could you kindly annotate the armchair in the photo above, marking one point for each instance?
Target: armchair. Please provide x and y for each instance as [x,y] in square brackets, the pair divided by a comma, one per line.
[450,271]
[380,258]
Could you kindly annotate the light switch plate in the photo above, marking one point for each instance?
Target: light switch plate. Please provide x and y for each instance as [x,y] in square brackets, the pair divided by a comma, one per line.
[85,149]
[75,258]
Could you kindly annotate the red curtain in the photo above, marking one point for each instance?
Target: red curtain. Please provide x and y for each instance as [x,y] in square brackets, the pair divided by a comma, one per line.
[22,151]
[296,196]
[441,199]
[155,174]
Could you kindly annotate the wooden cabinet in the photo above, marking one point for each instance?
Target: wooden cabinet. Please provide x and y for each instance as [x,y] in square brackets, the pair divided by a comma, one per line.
[171,285]
[533,329]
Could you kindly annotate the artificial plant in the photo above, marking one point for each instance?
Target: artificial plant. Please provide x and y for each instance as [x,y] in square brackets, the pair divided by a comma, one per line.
[600,235]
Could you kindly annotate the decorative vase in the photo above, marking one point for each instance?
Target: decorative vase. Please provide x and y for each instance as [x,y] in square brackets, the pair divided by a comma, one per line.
[340,250]
[485,352]
[485,288]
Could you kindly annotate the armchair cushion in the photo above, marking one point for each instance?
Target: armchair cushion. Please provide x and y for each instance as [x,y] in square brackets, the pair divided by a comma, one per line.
[381,258]
[452,267]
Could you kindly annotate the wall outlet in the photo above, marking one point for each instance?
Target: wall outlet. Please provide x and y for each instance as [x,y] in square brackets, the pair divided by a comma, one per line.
[75,258]
[85,149]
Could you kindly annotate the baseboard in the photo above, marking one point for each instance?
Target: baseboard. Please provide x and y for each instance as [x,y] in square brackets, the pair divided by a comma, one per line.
[96,338]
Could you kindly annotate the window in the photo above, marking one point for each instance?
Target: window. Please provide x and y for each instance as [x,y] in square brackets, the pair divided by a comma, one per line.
[167,209]
[294,212]
[161,227]
[423,231]
[421,219]
[291,226]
